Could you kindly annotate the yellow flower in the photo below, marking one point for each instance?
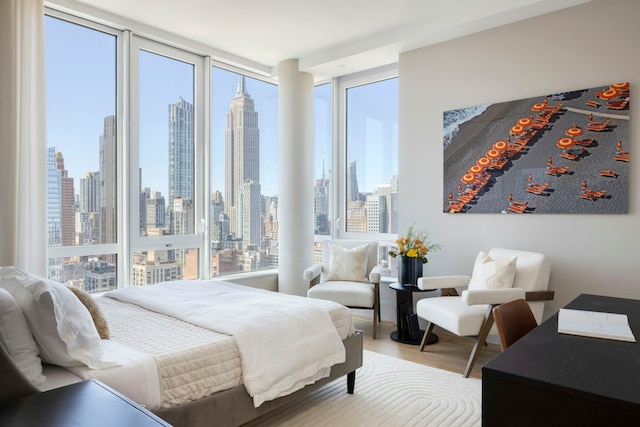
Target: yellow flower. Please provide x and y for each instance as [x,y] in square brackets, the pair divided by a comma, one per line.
[414,245]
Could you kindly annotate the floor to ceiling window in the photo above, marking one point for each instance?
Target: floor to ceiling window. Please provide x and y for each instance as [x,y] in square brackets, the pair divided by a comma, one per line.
[366,175]
[82,160]
[244,173]
[161,170]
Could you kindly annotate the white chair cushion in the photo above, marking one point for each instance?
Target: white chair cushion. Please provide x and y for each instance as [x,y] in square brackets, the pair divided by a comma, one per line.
[350,294]
[489,273]
[348,264]
[452,314]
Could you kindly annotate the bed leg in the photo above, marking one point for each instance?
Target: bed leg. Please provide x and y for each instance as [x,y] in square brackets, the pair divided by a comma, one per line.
[351,381]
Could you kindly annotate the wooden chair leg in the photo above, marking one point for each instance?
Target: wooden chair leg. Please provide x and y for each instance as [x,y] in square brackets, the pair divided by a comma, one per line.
[480,340]
[427,332]
[376,317]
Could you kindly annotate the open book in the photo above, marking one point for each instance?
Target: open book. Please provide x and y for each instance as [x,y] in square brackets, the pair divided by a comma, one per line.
[595,324]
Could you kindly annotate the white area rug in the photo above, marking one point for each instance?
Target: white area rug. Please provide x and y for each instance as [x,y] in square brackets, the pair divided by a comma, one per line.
[389,392]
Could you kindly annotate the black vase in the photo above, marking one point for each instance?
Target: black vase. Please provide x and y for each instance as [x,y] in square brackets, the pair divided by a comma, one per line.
[409,270]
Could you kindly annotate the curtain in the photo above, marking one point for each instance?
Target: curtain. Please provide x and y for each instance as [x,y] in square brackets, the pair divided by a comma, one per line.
[23,168]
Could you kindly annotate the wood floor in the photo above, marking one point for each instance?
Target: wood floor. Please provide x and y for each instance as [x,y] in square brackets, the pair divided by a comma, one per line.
[450,353]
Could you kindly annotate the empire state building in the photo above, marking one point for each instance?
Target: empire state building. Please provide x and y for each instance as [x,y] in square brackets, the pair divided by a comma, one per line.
[242,157]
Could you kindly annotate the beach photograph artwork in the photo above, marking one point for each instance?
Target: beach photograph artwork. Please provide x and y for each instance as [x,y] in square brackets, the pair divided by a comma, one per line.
[562,153]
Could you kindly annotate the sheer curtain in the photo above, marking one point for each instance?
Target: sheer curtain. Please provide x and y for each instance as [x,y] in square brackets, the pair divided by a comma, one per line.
[23,168]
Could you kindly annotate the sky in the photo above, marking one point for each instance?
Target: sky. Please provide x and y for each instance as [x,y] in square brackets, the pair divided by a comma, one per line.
[81,92]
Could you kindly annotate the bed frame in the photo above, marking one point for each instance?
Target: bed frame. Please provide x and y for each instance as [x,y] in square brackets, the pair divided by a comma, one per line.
[234,407]
[231,407]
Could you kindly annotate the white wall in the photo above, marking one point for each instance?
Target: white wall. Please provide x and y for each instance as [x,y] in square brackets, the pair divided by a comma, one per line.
[582,47]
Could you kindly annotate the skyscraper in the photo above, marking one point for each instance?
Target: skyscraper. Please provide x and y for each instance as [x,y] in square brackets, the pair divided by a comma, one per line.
[108,181]
[242,152]
[67,204]
[180,150]
[54,214]
[89,195]
[250,214]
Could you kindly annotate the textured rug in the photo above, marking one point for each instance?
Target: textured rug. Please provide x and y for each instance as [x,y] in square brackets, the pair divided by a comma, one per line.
[389,392]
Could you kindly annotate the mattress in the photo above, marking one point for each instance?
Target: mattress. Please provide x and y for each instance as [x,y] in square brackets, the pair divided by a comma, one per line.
[189,362]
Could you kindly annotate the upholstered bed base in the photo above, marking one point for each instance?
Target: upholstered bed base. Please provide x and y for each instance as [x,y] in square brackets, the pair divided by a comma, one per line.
[234,407]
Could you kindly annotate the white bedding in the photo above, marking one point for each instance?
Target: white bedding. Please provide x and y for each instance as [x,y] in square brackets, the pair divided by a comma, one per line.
[297,349]
[192,362]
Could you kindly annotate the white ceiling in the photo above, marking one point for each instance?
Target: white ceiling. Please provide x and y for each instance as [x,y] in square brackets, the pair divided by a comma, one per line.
[329,37]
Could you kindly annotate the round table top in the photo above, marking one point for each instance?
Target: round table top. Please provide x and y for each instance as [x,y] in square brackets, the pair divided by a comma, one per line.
[396,286]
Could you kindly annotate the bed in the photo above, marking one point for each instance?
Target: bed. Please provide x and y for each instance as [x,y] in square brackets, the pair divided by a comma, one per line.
[201,374]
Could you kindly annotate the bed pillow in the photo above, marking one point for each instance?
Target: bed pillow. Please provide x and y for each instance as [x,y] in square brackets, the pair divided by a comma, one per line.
[17,340]
[61,325]
[94,310]
[489,273]
[348,264]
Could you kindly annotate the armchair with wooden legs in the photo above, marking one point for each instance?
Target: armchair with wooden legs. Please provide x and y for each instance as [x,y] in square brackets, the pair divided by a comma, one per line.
[349,275]
[501,276]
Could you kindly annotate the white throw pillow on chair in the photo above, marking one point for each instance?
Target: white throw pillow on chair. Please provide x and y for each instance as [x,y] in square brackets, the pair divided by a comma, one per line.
[489,273]
[348,264]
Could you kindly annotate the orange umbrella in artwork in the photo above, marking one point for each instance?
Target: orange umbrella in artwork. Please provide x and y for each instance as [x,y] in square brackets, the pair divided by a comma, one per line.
[525,121]
[483,162]
[539,106]
[493,154]
[565,143]
[500,145]
[574,131]
[608,94]
[475,169]
[620,86]
[517,130]
[468,178]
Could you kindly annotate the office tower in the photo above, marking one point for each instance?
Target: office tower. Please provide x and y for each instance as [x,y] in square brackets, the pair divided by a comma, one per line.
[376,213]
[384,190]
[250,216]
[54,195]
[155,208]
[87,228]
[108,181]
[393,207]
[242,151]
[352,183]
[217,209]
[89,194]
[356,217]
[181,150]
[322,205]
[67,203]
[142,202]
[183,216]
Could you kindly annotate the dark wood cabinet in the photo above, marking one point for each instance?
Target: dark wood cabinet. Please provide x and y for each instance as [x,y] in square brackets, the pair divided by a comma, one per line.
[88,403]
[550,379]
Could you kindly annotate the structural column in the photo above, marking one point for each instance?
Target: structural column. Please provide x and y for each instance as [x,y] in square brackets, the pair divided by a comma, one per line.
[295,176]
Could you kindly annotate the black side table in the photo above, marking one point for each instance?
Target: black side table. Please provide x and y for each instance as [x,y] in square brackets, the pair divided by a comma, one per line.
[408,331]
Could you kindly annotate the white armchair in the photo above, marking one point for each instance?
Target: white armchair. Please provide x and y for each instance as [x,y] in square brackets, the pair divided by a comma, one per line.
[501,276]
[349,275]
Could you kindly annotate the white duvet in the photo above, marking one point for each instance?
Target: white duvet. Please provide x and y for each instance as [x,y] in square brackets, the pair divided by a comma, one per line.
[284,341]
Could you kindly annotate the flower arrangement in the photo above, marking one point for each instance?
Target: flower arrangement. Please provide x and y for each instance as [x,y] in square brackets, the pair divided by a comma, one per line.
[415,245]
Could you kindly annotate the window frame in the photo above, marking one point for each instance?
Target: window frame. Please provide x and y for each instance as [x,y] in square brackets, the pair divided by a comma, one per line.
[118,248]
[339,188]
[132,36]
[138,243]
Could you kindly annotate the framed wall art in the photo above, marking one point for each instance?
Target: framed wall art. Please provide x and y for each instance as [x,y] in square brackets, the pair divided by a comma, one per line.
[563,153]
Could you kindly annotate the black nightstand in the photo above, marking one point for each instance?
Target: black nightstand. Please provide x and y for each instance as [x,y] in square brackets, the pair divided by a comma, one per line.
[406,332]
[88,403]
